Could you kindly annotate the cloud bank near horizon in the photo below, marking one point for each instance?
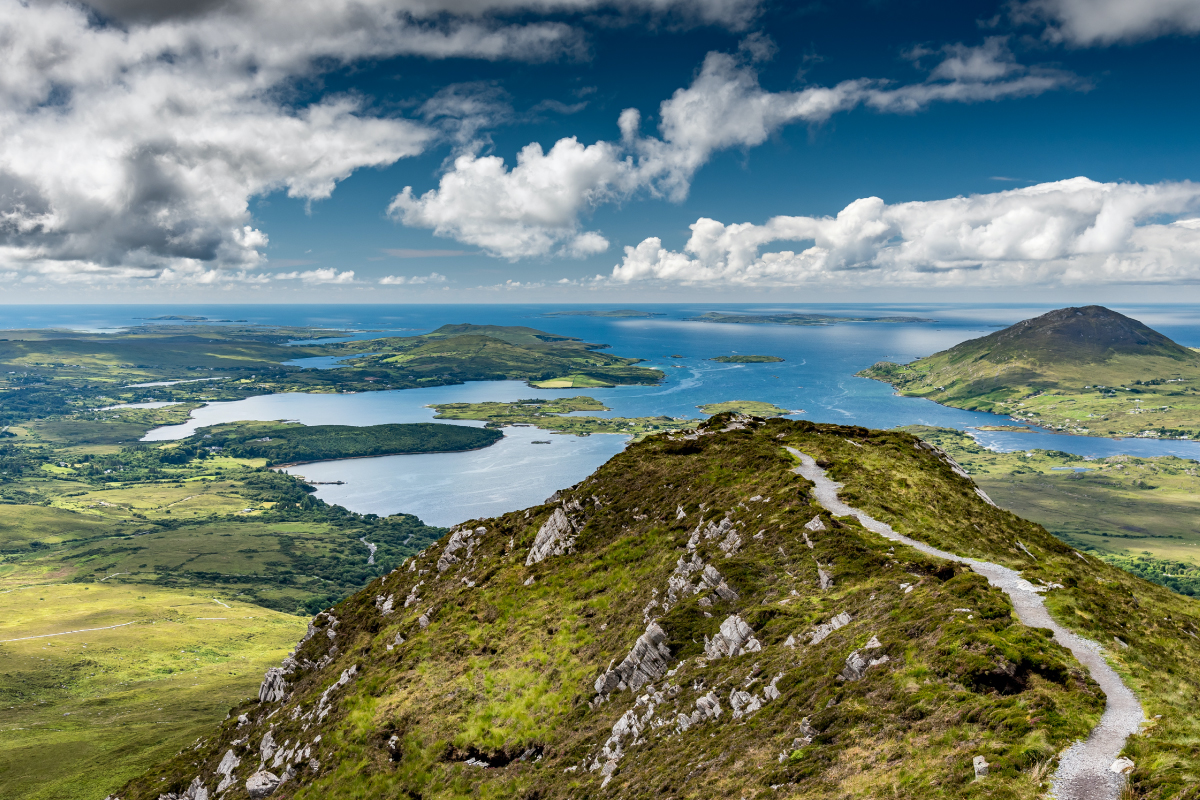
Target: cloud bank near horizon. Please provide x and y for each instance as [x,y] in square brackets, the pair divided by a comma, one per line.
[1070,233]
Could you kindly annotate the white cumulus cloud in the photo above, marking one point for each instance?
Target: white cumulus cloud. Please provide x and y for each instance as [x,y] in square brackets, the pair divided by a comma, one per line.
[1103,22]
[415,280]
[536,206]
[1069,232]
[318,276]
[136,132]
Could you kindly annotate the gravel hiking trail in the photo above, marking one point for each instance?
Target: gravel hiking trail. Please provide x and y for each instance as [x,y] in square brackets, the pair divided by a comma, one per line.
[1084,768]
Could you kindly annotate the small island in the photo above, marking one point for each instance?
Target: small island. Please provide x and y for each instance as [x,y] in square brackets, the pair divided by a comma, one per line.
[287,444]
[753,408]
[747,359]
[549,415]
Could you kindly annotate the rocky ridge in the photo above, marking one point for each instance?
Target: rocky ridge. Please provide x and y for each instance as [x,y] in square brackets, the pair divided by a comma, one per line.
[694,624]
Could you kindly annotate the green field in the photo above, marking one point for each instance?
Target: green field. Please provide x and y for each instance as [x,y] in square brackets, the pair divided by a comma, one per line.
[86,711]
[1142,514]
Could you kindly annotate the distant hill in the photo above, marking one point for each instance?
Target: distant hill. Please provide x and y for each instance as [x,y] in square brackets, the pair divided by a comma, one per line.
[1096,356]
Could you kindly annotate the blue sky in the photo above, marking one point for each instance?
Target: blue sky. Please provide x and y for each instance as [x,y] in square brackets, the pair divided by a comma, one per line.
[259,150]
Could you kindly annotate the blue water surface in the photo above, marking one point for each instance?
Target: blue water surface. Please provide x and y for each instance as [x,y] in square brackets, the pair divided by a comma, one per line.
[816,379]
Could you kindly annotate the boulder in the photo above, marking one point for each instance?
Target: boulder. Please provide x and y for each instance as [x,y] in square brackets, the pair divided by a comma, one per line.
[261,783]
[981,767]
[815,525]
[556,537]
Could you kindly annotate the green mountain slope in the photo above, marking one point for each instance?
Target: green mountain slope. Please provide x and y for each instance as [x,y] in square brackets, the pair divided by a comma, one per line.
[689,622]
[1088,370]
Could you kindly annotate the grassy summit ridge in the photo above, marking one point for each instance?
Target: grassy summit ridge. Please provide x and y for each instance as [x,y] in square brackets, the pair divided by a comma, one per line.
[1086,370]
[472,670]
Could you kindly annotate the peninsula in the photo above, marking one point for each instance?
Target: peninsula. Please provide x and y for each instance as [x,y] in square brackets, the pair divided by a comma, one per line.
[747,359]
[1088,371]
[552,415]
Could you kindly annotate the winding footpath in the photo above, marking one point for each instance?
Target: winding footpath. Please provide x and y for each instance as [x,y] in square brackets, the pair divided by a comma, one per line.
[1084,769]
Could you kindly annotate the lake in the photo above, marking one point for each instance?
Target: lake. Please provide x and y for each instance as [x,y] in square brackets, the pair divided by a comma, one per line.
[816,376]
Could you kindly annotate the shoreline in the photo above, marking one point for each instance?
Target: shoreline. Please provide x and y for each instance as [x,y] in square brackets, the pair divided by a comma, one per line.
[381,455]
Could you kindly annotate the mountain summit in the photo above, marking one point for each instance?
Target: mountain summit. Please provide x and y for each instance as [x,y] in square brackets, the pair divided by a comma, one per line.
[693,621]
[1085,335]
[1085,370]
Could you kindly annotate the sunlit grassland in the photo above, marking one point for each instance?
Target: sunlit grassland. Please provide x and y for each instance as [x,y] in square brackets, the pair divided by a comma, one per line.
[85,711]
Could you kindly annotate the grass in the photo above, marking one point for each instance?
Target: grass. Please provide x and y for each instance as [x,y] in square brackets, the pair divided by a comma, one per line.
[508,658]
[1137,513]
[85,712]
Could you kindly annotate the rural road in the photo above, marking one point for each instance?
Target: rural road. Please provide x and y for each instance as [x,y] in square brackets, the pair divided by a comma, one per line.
[1083,769]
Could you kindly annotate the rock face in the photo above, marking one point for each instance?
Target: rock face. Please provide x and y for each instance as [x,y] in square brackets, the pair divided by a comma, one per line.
[647,661]
[261,783]
[734,639]
[556,537]
[273,687]
[462,539]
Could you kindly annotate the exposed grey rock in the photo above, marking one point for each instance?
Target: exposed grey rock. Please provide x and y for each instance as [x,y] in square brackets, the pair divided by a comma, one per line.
[384,604]
[857,663]
[824,579]
[1026,549]
[273,687]
[981,767]
[196,791]
[423,620]
[413,597]
[555,538]
[807,730]
[261,783]
[229,762]
[734,638]
[267,746]
[815,525]
[743,703]
[791,642]
[680,513]
[983,496]
[647,661]
[771,691]
[822,631]
[1122,766]
[713,580]
[730,544]
[399,640]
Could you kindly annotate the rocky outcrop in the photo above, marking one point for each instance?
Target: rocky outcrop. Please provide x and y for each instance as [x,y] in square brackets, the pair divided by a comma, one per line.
[822,631]
[647,661]
[229,762]
[261,784]
[734,638]
[556,537]
[858,662]
[707,707]
[274,687]
[461,539]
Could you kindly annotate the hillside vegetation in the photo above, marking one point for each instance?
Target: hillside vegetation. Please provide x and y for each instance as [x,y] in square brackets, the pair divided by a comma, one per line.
[1083,370]
[278,443]
[1141,514]
[688,622]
